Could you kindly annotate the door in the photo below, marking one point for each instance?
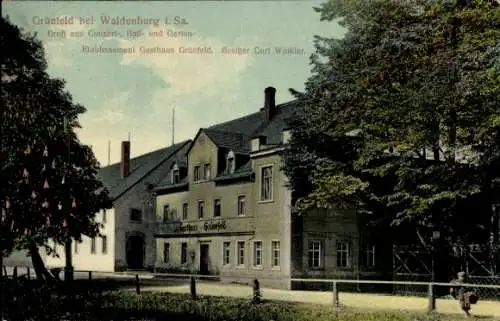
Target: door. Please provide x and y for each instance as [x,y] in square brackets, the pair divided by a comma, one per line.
[135,252]
[204,258]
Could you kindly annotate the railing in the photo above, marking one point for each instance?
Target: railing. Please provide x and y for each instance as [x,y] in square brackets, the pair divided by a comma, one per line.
[431,288]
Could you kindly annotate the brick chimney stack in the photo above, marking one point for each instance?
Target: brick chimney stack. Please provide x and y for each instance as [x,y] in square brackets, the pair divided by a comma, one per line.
[269,103]
[125,161]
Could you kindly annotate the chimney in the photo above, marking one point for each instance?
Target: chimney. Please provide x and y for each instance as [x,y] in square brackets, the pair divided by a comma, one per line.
[269,103]
[125,162]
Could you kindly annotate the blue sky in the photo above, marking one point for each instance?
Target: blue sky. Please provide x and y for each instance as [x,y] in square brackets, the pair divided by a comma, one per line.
[136,92]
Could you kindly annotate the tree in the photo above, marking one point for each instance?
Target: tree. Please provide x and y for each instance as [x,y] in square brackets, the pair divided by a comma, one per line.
[393,108]
[49,188]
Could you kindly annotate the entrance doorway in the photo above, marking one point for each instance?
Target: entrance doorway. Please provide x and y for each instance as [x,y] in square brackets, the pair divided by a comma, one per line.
[204,249]
[135,251]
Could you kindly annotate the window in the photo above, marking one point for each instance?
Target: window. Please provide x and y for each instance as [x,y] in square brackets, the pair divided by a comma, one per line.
[166,213]
[184,253]
[135,215]
[176,176]
[206,171]
[104,241]
[217,208]
[369,255]
[275,251]
[257,253]
[314,252]
[166,252]
[241,253]
[266,183]
[226,254]
[104,216]
[241,205]
[230,165]
[201,209]
[76,246]
[185,211]
[342,254]
[197,173]
[92,246]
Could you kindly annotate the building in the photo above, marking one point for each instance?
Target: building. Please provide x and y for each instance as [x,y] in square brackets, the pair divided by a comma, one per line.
[126,241]
[225,209]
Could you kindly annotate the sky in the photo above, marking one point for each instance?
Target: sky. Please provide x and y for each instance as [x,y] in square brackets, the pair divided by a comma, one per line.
[135,91]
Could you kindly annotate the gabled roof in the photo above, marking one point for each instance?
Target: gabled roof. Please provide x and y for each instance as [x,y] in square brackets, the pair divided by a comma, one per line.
[140,167]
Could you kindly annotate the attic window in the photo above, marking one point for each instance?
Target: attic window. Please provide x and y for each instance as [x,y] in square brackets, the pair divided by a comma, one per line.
[176,176]
[230,163]
[135,215]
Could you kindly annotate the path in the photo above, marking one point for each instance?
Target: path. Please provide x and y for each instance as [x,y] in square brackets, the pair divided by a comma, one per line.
[354,300]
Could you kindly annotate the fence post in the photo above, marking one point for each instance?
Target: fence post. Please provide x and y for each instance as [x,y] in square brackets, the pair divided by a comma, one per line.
[28,272]
[90,275]
[432,299]
[137,285]
[336,302]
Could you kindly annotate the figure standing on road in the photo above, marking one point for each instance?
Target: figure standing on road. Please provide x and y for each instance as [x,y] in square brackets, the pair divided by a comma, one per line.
[464,294]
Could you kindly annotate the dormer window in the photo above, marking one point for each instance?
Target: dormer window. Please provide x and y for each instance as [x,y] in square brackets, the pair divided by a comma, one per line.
[231,165]
[176,175]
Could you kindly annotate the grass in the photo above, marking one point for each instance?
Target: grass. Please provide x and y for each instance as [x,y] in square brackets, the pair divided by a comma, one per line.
[103,300]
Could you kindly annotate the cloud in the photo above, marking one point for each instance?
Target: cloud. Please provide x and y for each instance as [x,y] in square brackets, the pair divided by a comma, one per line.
[203,89]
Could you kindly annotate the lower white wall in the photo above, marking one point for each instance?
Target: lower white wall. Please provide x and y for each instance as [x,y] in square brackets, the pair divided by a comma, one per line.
[82,257]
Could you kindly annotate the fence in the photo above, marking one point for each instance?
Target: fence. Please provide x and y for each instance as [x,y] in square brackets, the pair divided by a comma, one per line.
[338,286]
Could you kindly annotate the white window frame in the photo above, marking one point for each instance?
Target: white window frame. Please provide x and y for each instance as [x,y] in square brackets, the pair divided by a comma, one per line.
[261,187]
[275,254]
[242,200]
[240,254]
[226,253]
[311,248]
[345,249]
[369,251]
[255,263]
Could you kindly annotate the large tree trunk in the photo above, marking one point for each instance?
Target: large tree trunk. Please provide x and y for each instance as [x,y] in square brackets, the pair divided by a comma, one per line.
[41,271]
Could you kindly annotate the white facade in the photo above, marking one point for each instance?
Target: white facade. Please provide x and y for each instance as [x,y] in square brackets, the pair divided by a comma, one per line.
[87,255]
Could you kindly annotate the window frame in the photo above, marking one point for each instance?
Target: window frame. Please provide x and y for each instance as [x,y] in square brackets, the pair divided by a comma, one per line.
[263,180]
[93,245]
[104,244]
[242,200]
[226,253]
[240,253]
[207,171]
[184,252]
[166,213]
[311,250]
[275,250]
[201,209]
[217,207]
[166,252]
[254,263]
[197,173]
[342,251]
[138,211]
[185,211]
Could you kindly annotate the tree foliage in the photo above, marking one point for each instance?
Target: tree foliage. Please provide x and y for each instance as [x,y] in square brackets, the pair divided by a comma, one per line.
[49,189]
[400,117]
